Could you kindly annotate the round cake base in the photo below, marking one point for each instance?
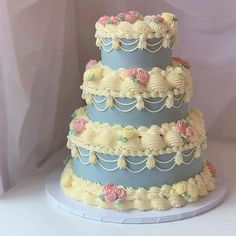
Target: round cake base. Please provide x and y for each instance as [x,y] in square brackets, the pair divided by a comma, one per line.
[59,199]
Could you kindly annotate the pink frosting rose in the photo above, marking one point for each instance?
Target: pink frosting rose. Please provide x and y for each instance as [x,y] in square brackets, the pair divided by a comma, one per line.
[190,132]
[108,188]
[115,20]
[90,64]
[142,76]
[132,72]
[130,16]
[181,126]
[79,125]
[121,193]
[103,20]
[110,196]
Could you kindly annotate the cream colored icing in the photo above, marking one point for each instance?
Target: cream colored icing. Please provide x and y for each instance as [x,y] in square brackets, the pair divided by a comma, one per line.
[154,198]
[120,140]
[142,29]
[174,80]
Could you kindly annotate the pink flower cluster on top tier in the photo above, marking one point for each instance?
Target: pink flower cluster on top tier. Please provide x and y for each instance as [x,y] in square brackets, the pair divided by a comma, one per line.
[79,125]
[183,129]
[131,17]
[111,193]
[138,74]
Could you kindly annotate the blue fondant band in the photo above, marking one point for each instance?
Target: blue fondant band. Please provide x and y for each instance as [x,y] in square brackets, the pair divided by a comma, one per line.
[146,178]
[135,117]
[118,58]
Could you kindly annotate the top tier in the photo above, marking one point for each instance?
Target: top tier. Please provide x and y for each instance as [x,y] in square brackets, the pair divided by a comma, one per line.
[132,40]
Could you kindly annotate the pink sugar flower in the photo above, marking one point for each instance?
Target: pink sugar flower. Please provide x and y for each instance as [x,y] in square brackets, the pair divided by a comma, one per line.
[103,20]
[112,193]
[132,72]
[79,125]
[181,126]
[110,196]
[108,188]
[142,76]
[189,132]
[115,20]
[121,193]
[90,64]
[135,13]
[130,16]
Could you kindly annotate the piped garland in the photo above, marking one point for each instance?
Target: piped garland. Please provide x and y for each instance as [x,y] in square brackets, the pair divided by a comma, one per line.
[132,25]
[156,198]
[87,157]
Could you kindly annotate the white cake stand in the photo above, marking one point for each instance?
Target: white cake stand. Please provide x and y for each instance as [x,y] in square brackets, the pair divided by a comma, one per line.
[57,198]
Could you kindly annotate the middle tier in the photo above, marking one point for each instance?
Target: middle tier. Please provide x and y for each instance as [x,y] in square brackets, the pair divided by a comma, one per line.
[135,96]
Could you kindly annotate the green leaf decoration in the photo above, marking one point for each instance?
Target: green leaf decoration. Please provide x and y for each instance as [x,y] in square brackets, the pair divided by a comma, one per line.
[186,195]
[183,135]
[122,138]
[121,17]
[67,159]
[181,76]
[73,115]
[175,19]
[90,76]
[101,197]
[117,201]
[134,79]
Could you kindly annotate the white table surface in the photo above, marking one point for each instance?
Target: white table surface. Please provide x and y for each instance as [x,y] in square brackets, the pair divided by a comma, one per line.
[26,211]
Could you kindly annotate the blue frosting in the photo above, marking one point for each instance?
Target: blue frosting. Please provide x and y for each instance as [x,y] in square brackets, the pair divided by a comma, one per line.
[146,178]
[138,58]
[136,117]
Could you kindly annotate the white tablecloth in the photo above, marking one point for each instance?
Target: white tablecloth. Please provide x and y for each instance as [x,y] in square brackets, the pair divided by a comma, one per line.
[26,211]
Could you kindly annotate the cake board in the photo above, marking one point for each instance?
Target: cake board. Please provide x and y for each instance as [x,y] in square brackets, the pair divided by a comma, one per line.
[65,203]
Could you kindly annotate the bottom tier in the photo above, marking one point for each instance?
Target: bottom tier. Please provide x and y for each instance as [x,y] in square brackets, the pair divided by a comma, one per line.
[153,198]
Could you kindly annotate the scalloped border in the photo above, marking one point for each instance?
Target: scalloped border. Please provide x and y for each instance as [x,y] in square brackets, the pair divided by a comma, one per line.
[90,89]
[145,32]
[73,139]
[154,198]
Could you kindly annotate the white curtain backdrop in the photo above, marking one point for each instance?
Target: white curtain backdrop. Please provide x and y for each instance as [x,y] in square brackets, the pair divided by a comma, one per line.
[44,45]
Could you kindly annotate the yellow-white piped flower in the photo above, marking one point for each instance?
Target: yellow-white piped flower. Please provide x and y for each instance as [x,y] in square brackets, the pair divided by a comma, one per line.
[180,187]
[192,188]
[128,132]
[93,73]
[168,17]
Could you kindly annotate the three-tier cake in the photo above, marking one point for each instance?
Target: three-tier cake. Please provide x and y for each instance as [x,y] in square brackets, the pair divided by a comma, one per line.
[137,145]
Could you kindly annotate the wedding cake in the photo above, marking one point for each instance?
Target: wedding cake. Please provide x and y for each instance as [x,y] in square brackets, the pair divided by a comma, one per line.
[137,144]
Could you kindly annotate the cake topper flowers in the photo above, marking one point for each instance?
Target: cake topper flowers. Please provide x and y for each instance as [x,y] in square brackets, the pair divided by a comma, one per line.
[138,75]
[130,16]
[112,193]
